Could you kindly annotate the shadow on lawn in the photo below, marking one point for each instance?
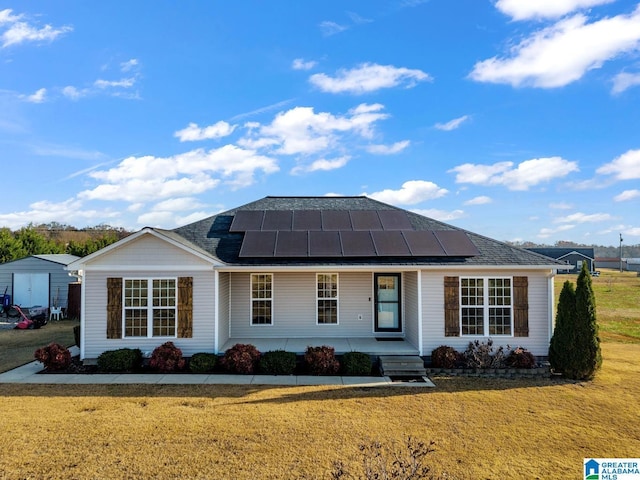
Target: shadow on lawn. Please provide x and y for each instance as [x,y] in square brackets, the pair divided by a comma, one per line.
[255,394]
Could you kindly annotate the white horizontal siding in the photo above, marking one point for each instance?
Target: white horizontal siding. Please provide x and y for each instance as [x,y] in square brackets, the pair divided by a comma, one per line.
[95,314]
[294,307]
[410,318]
[433,313]
[223,308]
[147,250]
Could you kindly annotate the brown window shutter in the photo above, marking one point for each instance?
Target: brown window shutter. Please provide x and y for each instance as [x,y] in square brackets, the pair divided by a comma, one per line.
[520,307]
[451,307]
[114,308]
[185,307]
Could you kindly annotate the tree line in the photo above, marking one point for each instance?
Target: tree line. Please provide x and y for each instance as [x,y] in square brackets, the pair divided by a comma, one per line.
[628,251]
[56,238]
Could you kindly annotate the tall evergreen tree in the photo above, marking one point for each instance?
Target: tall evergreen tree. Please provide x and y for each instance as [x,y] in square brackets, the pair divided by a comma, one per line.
[587,357]
[561,348]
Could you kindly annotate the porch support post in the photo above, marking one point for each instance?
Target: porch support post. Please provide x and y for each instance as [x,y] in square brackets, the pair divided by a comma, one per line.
[216,311]
[552,296]
[419,284]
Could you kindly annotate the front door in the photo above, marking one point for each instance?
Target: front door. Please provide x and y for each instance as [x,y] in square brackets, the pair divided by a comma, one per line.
[388,310]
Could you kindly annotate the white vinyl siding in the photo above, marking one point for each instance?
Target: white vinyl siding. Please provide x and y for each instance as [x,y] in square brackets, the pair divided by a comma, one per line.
[433,312]
[410,302]
[223,308]
[94,313]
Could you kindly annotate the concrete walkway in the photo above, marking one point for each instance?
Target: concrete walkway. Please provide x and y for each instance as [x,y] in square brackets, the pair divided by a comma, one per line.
[29,374]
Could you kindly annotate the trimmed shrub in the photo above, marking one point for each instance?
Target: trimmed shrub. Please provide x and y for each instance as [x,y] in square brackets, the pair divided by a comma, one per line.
[482,355]
[588,357]
[121,360]
[278,362]
[76,335]
[241,358]
[356,363]
[203,362]
[167,358]
[561,347]
[54,356]
[520,358]
[445,357]
[321,360]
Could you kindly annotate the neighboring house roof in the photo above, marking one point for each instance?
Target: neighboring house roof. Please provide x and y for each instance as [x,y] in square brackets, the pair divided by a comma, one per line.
[213,235]
[561,252]
[60,258]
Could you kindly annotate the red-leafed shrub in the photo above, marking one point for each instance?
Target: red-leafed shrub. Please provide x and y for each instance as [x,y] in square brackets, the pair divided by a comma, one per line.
[445,357]
[54,356]
[167,358]
[321,360]
[241,358]
[521,358]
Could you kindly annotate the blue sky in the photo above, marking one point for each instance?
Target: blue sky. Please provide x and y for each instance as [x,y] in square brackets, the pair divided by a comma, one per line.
[516,119]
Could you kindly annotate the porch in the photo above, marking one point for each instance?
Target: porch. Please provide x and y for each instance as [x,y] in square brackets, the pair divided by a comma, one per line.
[370,345]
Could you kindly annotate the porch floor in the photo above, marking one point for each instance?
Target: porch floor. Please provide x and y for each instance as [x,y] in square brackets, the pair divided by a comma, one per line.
[341,345]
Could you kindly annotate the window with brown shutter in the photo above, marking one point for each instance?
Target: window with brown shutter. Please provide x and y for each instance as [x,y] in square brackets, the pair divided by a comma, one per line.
[451,307]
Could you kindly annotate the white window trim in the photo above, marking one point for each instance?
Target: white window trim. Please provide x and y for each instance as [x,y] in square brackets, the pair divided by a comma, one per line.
[149,308]
[251,300]
[337,298]
[486,306]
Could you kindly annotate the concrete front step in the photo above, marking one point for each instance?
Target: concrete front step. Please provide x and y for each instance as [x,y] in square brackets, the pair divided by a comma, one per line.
[402,365]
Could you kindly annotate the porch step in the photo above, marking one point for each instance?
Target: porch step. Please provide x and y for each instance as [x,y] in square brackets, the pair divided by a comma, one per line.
[402,365]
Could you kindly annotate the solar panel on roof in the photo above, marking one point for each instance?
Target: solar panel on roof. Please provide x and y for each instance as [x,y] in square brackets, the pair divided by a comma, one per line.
[258,244]
[292,244]
[390,244]
[423,243]
[245,220]
[325,244]
[456,243]
[277,220]
[307,220]
[394,220]
[357,244]
[365,220]
[336,220]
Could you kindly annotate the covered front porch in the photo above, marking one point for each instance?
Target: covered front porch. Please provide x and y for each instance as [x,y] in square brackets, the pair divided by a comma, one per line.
[370,345]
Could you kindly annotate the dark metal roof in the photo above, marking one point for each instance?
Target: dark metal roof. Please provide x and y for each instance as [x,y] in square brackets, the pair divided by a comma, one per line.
[213,235]
[561,252]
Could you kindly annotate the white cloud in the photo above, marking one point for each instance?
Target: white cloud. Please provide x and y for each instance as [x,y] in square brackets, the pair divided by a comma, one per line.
[141,179]
[562,53]
[329,28]
[178,204]
[38,97]
[440,215]
[73,93]
[527,9]
[624,167]
[623,81]
[301,64]
[584,218]
[411,192]
[547,232]
[627,195]
[388,149]
[368,77]
[322,164]
[128,65]
[527,174]
[258,111]
[194,133]
[452,124]
[481,200]
[561,206]
[21,31]
[122,83]
[302,131]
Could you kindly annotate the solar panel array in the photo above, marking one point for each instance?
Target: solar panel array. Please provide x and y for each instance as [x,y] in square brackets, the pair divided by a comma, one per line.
[343,233]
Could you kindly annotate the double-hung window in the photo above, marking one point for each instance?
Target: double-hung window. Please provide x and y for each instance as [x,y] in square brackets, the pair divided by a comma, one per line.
[150,307]
[261,299]
[486,306]
[327,298]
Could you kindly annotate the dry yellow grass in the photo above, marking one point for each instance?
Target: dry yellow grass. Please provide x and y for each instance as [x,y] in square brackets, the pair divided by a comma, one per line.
[482,428]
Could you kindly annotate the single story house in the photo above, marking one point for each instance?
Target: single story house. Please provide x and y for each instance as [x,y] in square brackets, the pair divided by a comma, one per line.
[289,272]
[571,255]
[37,280]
